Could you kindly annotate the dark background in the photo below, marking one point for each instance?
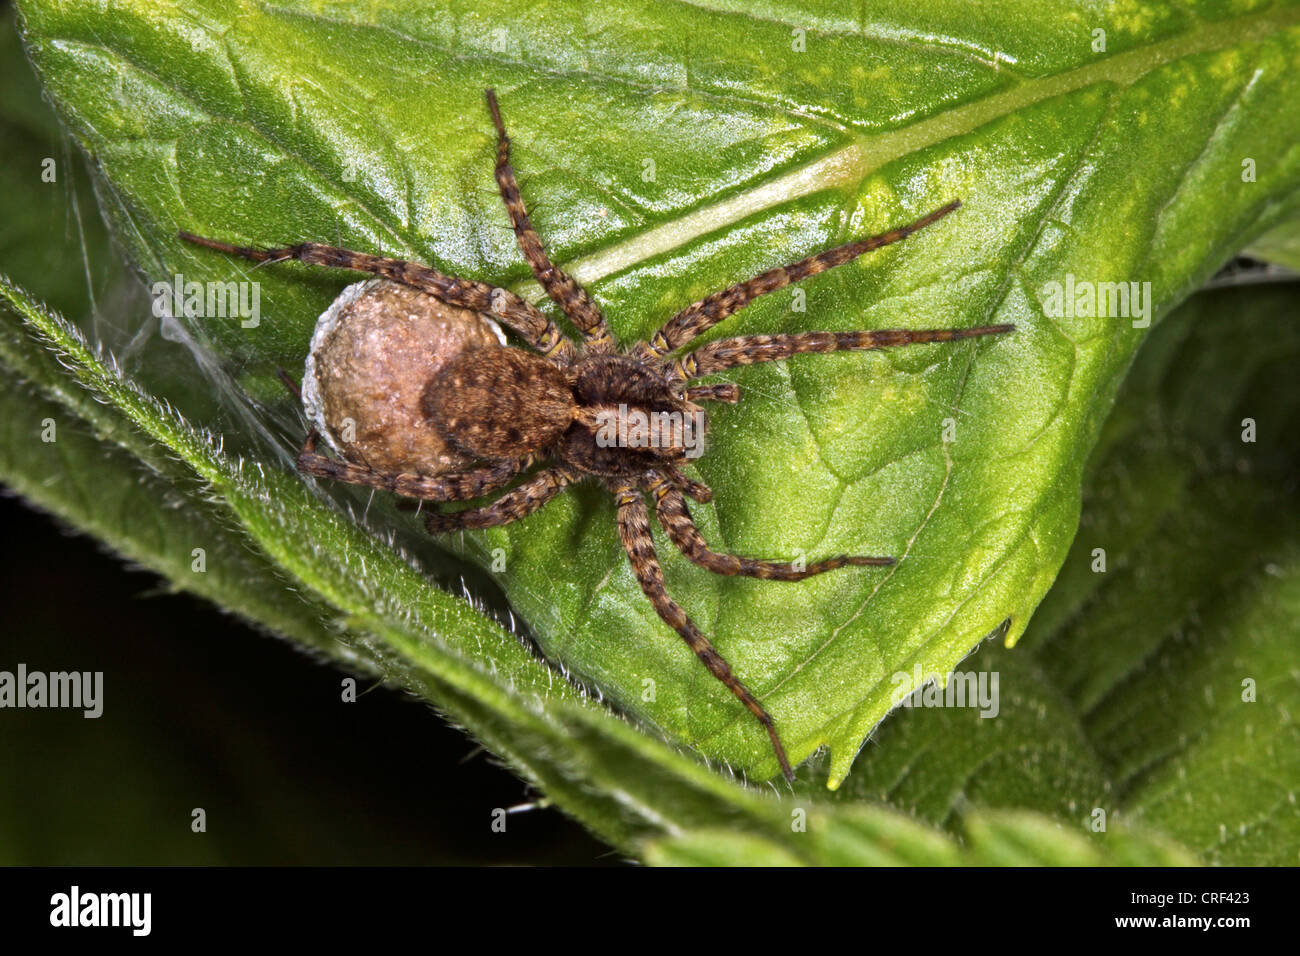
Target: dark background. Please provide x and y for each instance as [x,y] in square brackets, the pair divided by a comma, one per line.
[201,711]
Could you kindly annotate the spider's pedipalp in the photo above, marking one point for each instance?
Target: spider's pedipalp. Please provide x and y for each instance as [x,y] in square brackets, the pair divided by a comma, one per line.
[751,349]
[563,290]
[670,473]
[634,532]
[725,392]
[676,520]
[457,486]
[697,318]
[520,315]
[514,504]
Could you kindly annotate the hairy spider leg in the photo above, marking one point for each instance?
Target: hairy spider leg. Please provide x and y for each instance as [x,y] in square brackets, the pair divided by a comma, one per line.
[458,486]
[679,479]
[518,314]
[675,518]
[559,285]
[697,318]
[752,349]
[516,503]
[634,532]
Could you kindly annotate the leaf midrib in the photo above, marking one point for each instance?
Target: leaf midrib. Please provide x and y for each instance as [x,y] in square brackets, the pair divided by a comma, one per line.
[849,165]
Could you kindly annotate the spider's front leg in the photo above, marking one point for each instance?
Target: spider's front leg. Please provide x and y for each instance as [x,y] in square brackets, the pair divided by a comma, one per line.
[752,349]
[697,318]
[457,486]
[675,518]
[634,532]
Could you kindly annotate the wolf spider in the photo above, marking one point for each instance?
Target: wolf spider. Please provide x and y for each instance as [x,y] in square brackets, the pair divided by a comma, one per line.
[505,407]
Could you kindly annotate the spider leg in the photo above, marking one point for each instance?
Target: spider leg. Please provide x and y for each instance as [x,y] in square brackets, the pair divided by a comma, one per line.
[521,316]
[634,531]
[752,349]
[559,285]
[670,508]
[678,478]
[514,504]
[458,486]
[287,381]
[722,392]
[699,317]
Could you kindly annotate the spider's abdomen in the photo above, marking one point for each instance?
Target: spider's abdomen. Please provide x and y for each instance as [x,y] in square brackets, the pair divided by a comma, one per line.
[371,355]
[496,403]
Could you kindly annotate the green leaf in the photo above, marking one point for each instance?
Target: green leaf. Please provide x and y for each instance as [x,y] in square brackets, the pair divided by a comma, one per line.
[1027,751]
[862,836]
[1280,245]
[1187,688]
[1126,695]
[1203,737]
[47,193]
[266,123]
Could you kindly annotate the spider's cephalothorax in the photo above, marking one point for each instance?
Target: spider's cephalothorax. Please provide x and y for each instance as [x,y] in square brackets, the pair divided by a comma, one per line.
[476,414]
[605,415]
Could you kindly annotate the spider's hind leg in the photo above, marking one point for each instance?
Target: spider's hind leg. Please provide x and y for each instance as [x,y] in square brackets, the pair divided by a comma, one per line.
[673,515]
[563,290]
[520,315]
[514,504]
[457,486]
